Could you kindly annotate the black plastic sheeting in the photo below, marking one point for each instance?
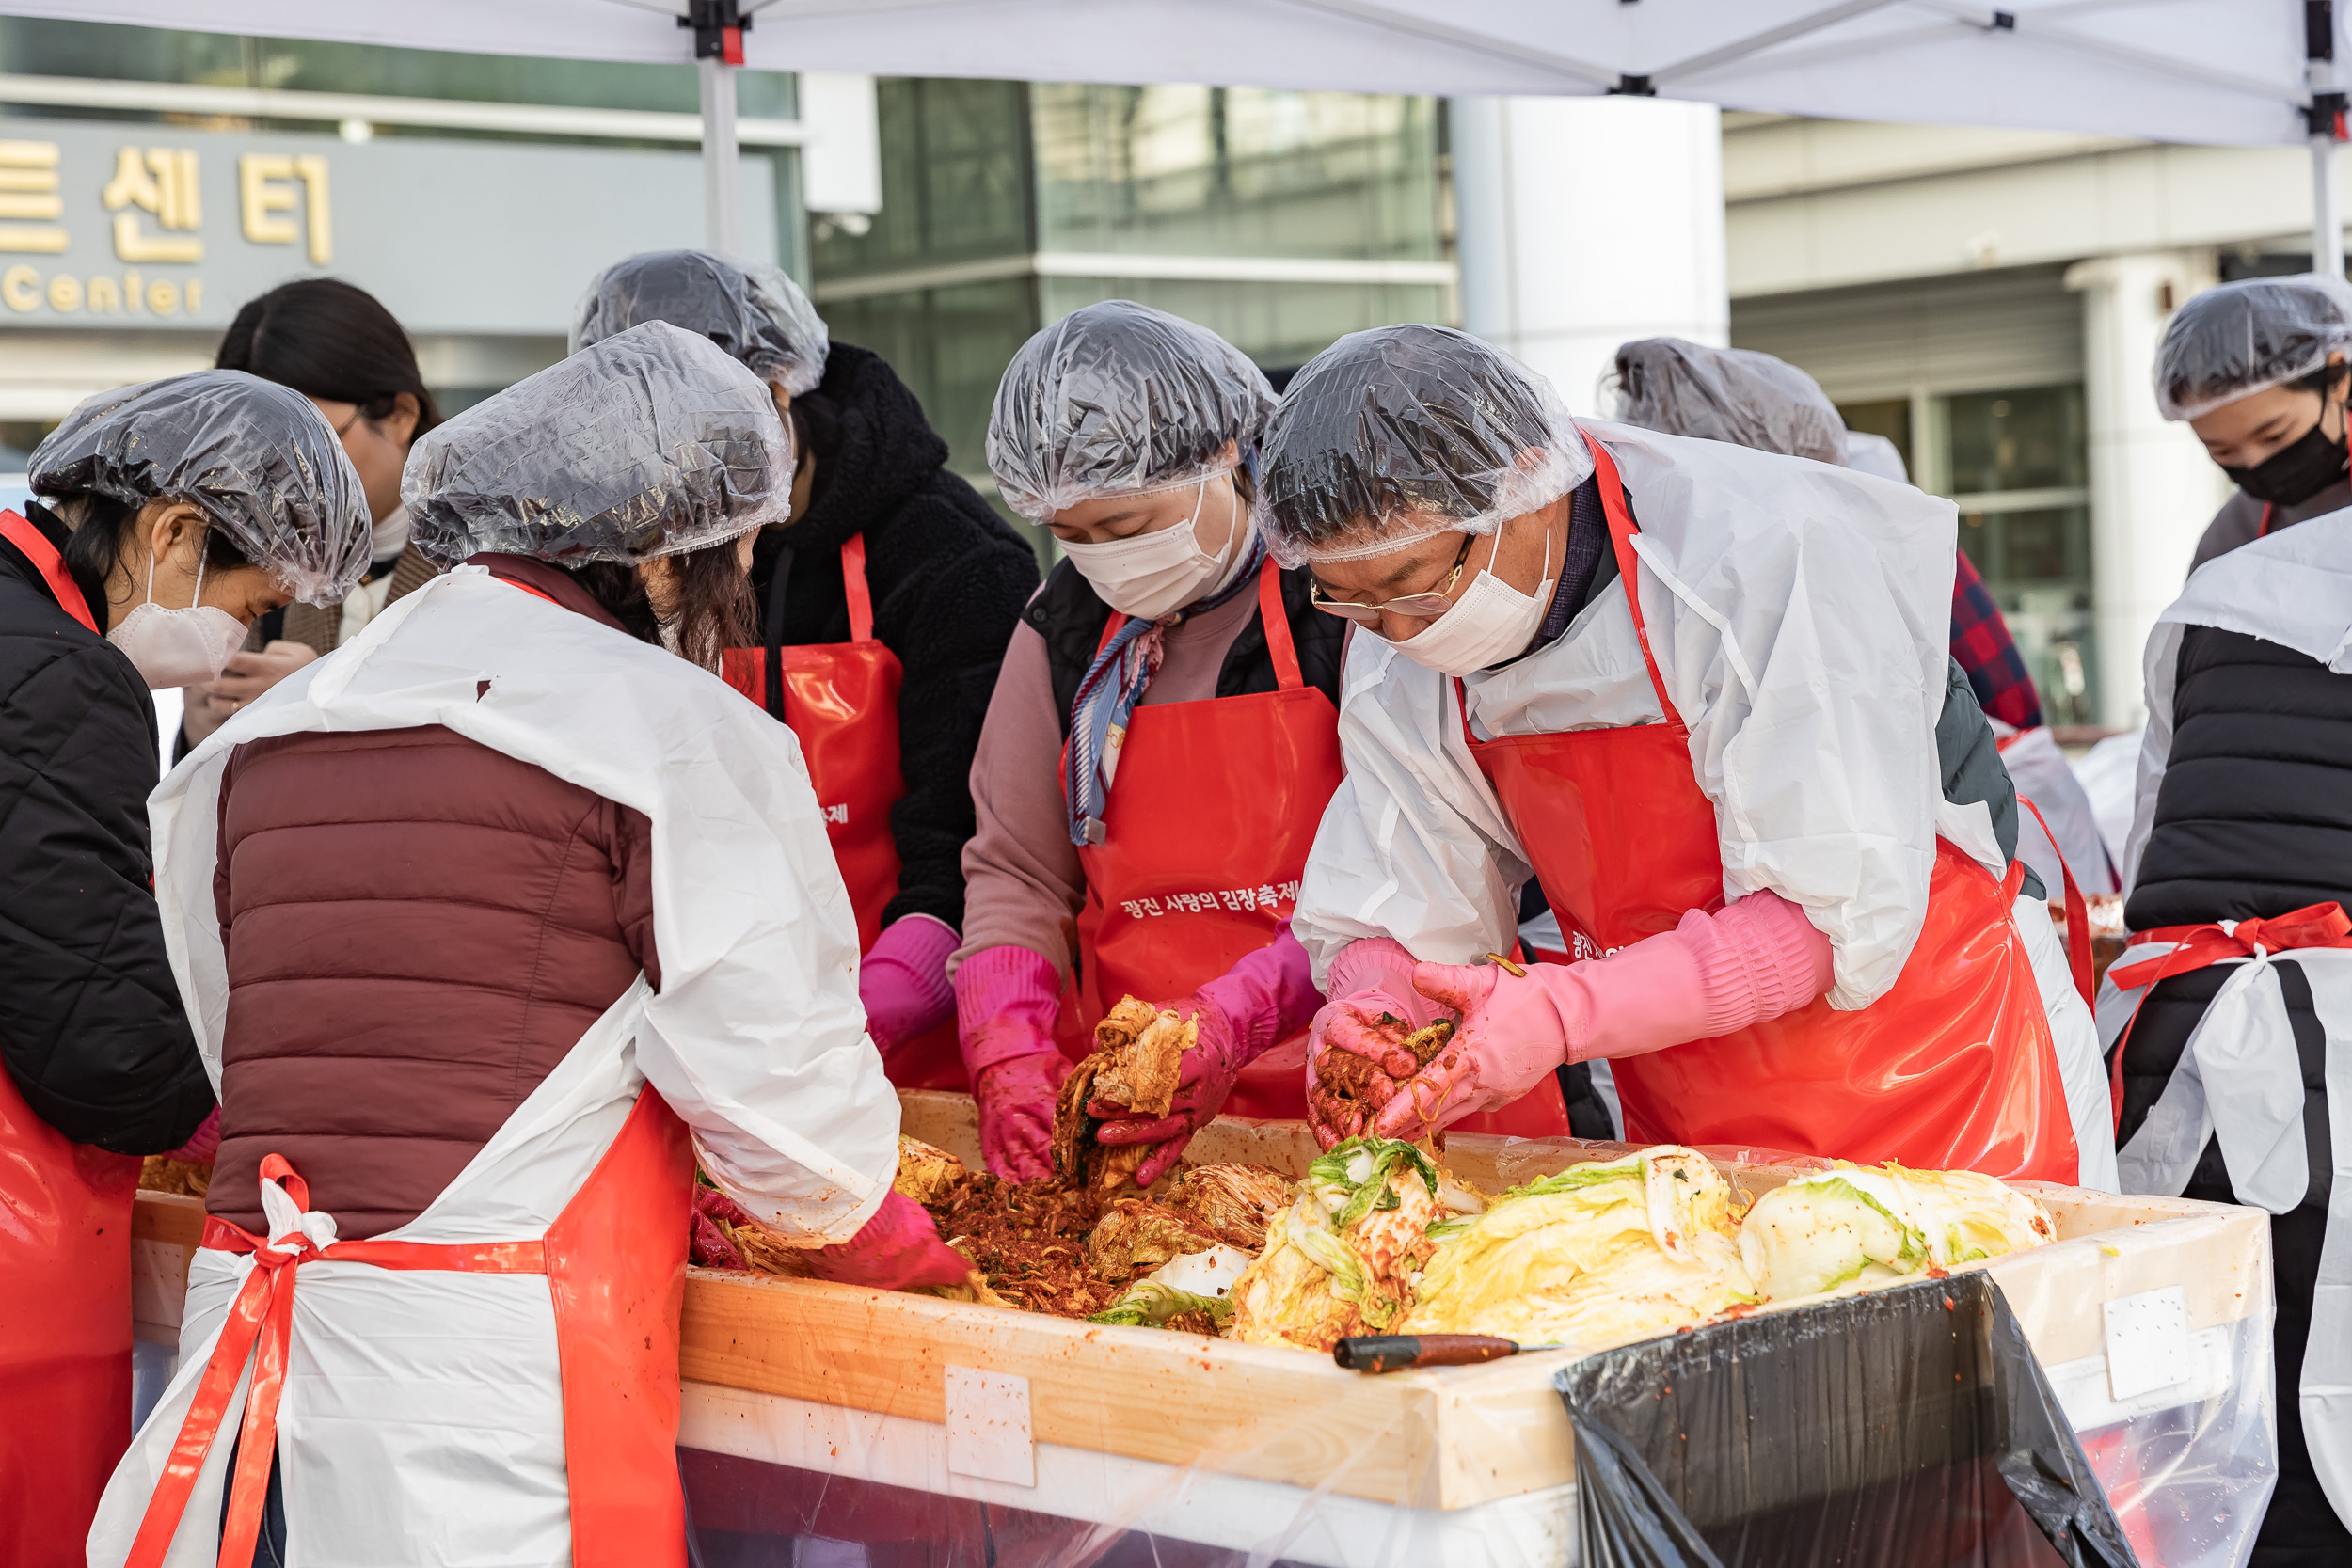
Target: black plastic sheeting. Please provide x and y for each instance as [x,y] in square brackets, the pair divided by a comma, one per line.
[1910,1426]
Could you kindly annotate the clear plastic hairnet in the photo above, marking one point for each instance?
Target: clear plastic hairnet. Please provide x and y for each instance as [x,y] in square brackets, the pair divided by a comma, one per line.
[259,459]
[1727,394]
[1875,455]
[649,443]
[755,312]
[1119,399]
[1392,436]
[2243,337]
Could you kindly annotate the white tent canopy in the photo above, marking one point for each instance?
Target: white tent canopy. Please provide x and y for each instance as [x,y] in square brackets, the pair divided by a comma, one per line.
[2230,71]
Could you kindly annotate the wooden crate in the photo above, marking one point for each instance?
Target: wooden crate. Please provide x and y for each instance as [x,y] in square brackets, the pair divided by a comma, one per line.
[1445,1440]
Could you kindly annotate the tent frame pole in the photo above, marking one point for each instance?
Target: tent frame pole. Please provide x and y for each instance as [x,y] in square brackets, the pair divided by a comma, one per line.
[2323,122]
[719,26]
[722,187]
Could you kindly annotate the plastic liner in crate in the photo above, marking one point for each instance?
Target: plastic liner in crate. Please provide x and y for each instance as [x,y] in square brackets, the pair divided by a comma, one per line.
[1910,1425]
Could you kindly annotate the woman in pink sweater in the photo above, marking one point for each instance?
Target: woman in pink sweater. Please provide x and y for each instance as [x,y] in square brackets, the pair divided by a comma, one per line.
[1160,747]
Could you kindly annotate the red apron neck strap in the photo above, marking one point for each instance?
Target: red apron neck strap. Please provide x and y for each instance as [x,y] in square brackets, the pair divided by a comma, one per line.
[1621,532]
[853,584]
[46,559]
[2077,915]
[1277,628]
[534,592]
[2264,531]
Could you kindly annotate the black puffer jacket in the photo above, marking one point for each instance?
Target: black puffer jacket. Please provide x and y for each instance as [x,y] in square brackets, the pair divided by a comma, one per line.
[2253,819]
[91,1028]
[948,578]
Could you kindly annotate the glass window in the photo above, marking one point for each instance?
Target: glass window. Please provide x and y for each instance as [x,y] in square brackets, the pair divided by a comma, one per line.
[1887,417]
[2019,467]
[2029,439]
[1199,170]
[955,181]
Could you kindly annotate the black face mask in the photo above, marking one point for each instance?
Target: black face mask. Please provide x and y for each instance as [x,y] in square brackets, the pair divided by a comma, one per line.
[2297,471]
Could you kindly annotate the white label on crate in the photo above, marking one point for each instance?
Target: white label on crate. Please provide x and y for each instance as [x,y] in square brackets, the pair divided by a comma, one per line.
[988,1427]
[2148,1342]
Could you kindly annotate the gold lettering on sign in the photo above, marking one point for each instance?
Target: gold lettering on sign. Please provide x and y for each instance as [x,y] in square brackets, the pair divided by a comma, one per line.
[267,194]
[28,190]
[104,294]
[321,227]
[20,286]
[65,293]
[162,181]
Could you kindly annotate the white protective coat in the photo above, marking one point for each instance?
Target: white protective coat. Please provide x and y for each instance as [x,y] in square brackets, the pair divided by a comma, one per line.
[1800,615]
[2240,1078]
[423,1421]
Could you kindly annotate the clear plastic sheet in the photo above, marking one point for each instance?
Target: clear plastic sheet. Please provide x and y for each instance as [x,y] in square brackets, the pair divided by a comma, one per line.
[1401,433]
[259,459]
[1121,399]
[755,312]
[1141,1446]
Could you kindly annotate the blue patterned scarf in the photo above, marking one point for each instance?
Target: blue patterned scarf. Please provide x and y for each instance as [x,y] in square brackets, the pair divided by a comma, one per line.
[1107,694]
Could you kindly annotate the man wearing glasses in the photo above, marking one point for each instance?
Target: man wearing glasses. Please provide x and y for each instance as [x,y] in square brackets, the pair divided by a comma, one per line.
[1703,694]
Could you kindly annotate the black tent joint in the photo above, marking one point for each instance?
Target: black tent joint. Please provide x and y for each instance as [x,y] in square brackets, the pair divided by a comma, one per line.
[719,28]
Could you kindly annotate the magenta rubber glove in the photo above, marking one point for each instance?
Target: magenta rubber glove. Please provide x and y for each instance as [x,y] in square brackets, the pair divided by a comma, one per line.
[903,981]
[1369,982]
[896,1250]
[1006,1002]
[1711,975]
[1268,996]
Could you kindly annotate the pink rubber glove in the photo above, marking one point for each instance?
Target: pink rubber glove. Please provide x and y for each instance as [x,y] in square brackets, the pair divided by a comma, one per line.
[1262,999]
[1711,975]
[897,1249]
[1006,1002]
[203,1144]
[903,982]
[1369,982]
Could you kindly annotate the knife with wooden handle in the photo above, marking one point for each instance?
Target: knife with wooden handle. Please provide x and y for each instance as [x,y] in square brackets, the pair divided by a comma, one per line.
[1391,1352]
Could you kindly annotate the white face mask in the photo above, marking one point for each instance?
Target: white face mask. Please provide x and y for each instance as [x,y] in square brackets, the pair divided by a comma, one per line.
[177,647]
[1491,622]
[1157,574]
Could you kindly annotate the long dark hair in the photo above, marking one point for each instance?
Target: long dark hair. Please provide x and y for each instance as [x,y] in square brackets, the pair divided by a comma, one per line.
[714,602]
[327,340]
[100,525]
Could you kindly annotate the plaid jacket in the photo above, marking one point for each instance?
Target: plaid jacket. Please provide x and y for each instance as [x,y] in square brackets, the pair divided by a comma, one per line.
[1983,647]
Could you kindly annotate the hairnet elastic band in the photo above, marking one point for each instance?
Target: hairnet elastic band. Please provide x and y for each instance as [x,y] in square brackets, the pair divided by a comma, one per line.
[1389,544]
[1047,507]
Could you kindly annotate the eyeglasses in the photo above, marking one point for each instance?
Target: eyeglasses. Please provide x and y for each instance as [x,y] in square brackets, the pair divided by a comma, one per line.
[1425,606]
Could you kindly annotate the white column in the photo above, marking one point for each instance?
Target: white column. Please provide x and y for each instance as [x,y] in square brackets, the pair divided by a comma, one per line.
[2153,488]
[1587,222]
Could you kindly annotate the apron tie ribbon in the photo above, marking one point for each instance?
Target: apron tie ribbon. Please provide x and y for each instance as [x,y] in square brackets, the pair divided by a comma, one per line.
[259,1326]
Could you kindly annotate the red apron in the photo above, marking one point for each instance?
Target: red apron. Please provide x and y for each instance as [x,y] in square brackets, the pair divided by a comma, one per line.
[615,1262]
[64,1264]
[1205,839]
[841,700]
[1953,1067]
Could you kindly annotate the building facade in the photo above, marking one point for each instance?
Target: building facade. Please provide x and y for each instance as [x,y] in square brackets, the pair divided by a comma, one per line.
[151,182]
[1992,301]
